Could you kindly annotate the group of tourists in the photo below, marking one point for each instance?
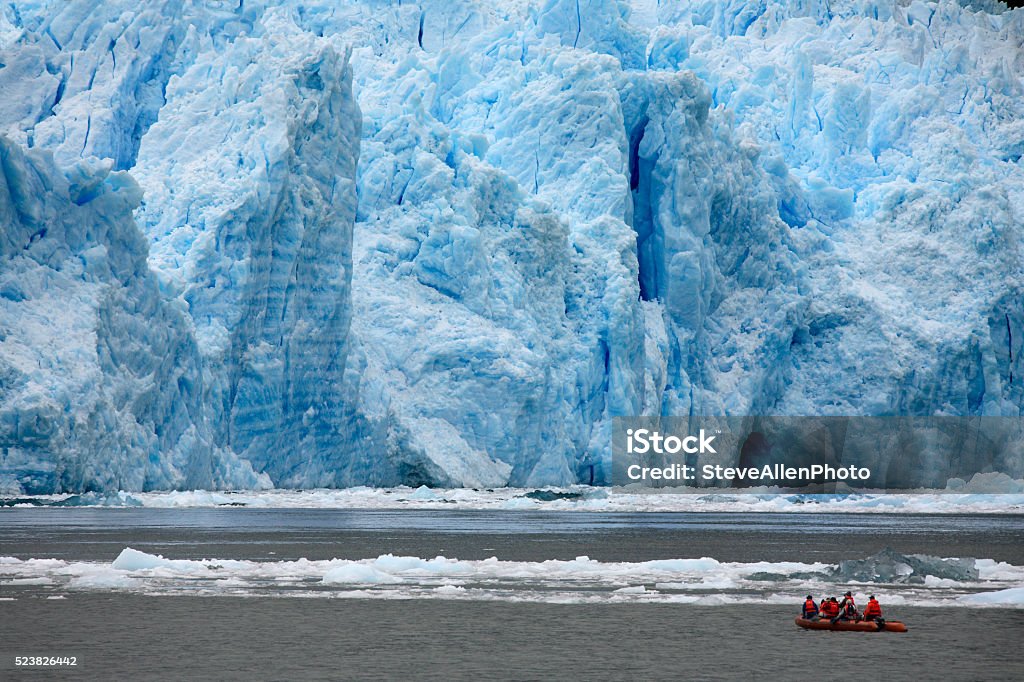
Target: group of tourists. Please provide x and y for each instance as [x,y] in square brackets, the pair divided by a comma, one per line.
[846,609]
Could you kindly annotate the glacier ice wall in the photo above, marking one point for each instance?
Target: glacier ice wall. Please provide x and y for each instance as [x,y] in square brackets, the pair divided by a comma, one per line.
[892,132]
[454,255]
[249,179]
[101,379]
[85,78]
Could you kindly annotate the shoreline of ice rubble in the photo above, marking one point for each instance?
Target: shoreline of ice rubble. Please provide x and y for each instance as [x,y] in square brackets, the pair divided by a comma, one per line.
[983,494]
[911,580]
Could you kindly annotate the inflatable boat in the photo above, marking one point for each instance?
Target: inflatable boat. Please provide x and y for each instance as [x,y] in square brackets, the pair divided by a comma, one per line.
[851,625]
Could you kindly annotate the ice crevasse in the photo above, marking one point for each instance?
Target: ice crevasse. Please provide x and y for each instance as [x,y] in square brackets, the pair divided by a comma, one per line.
[336,243]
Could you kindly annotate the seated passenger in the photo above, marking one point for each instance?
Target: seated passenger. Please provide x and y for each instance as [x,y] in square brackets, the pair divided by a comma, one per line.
[810,609]
[847,609]
[873,610]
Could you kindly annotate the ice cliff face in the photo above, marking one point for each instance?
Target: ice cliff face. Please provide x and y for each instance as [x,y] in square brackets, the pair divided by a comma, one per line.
[250,198]
[102,381]
[892,133]
[447,242]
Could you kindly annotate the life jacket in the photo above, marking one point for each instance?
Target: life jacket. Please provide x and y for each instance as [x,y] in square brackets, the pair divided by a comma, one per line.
[810,608]
[849,607]
[831,609]
[873,608]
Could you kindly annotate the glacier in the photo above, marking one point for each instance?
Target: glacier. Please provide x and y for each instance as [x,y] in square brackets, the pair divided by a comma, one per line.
[358,242]
[102,378]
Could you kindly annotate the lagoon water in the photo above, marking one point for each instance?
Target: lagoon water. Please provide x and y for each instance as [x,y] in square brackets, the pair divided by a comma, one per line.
[228,638]
[98,534]
[309,631]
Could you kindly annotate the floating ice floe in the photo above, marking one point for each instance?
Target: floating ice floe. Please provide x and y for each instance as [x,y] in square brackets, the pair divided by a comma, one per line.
[1013,596]
[581,580]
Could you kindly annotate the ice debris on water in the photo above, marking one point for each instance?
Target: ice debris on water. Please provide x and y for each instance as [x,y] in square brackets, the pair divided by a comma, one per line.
[93,499]
[1012,596]
[889,566]
[551,495]
[580,580]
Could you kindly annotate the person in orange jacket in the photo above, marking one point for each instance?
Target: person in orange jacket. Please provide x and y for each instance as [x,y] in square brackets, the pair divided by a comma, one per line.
[830,608]
[810,609]
[873,610]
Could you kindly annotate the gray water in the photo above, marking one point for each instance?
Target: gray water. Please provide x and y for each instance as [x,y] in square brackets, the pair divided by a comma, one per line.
[99,534]
[166,638]
[118,635]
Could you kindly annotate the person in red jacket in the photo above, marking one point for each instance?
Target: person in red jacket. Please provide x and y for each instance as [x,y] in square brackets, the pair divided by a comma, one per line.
[873,610]
[810,609]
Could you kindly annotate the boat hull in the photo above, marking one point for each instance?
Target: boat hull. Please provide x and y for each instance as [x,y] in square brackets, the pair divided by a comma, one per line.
[851,626]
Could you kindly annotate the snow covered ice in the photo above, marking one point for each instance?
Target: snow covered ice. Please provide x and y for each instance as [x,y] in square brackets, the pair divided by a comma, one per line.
[328,244]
